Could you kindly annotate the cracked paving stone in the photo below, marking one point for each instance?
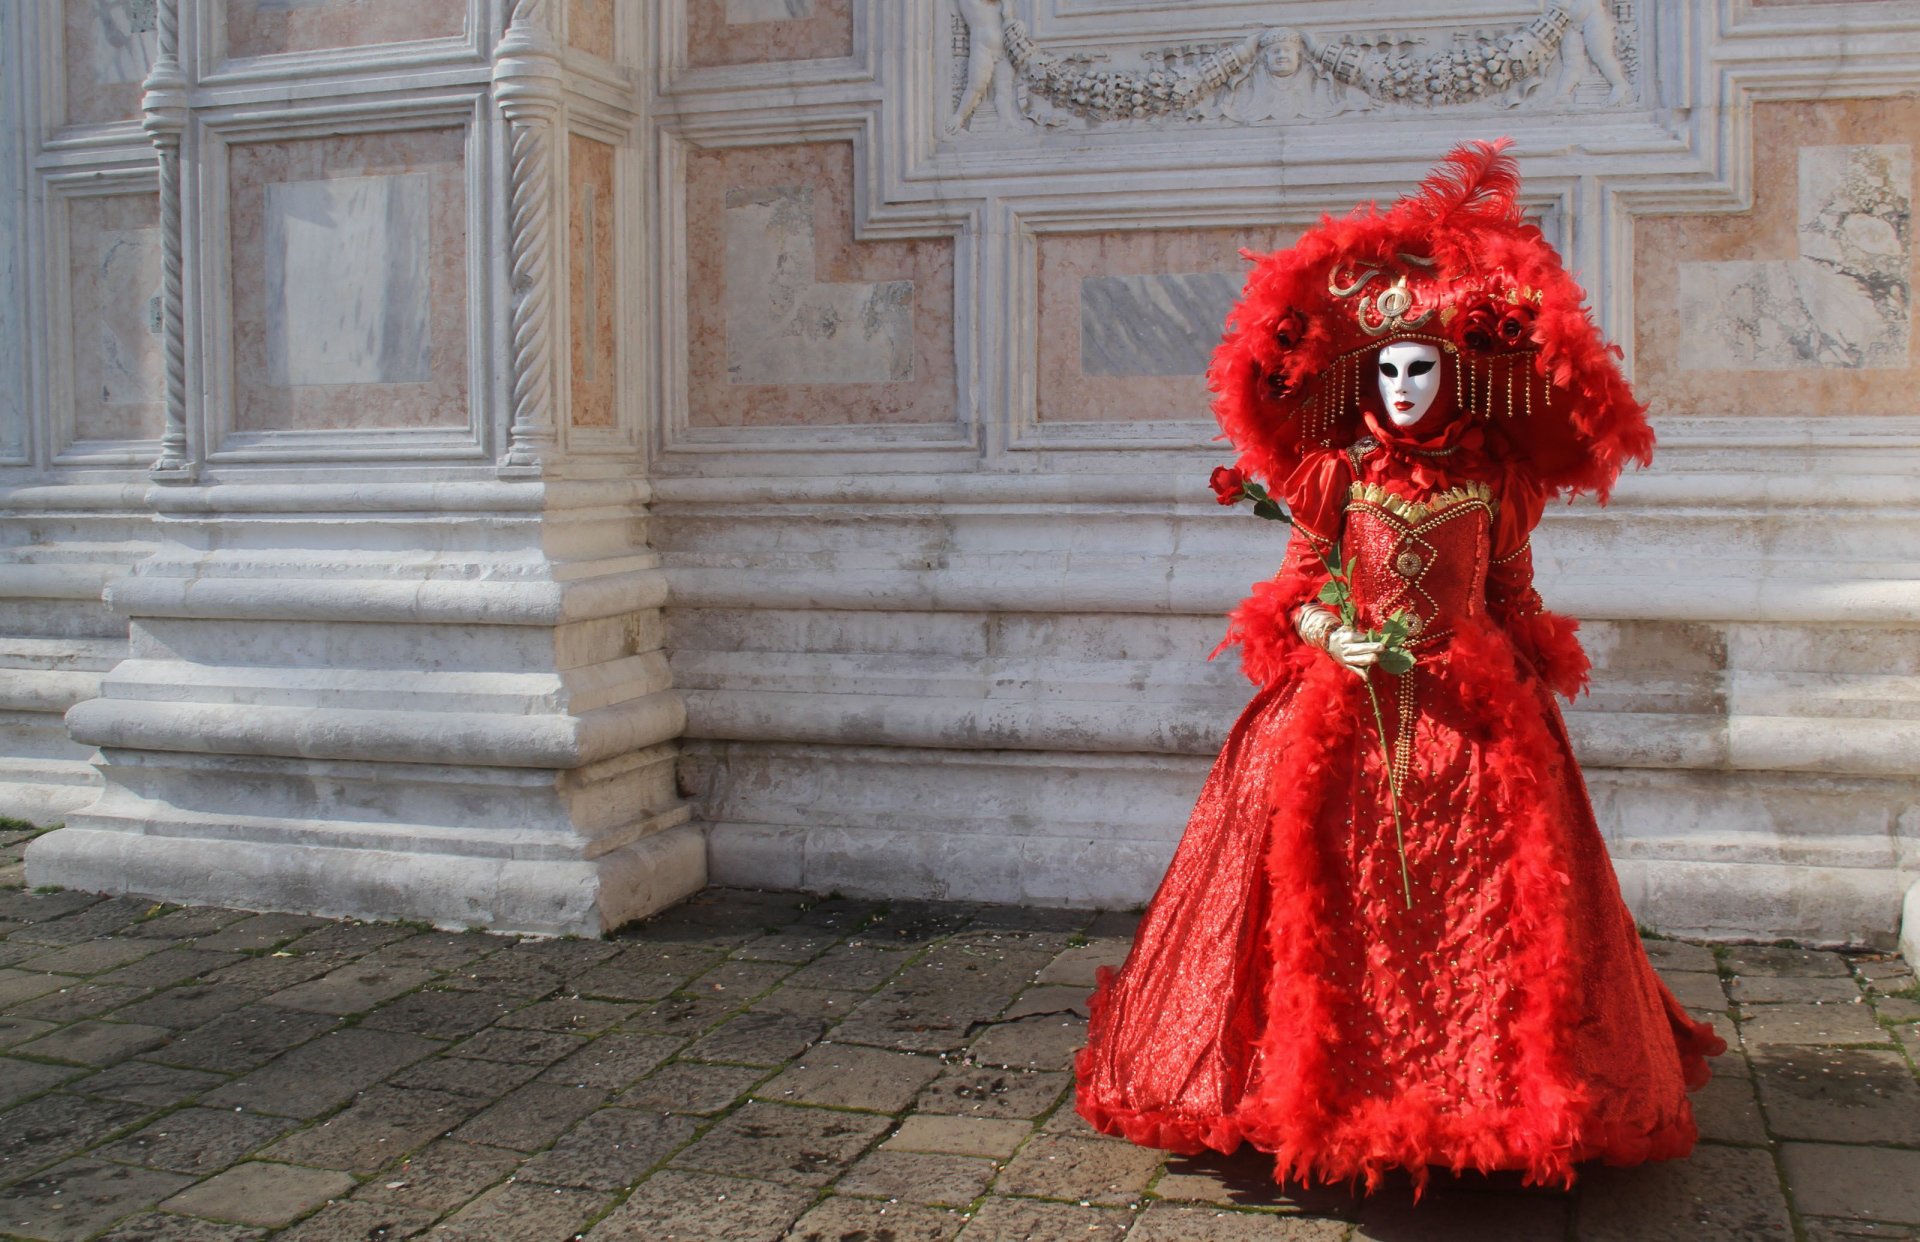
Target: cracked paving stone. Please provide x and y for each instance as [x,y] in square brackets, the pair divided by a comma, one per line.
[910,1020]
[354,1221]
[81,1197]
[1026,1220]
[1048,998]
[1695,989]
[1880,1184]
[1056,1166]
[508,979]
[985,1091]
[53,1127]
[479,1080]
[847,1076]
[756,1039]
[1043,1043]
[959,1136]
[849,968]
[350,937]
[741,982]
[1679,955]
[19,985]
[187,923]
[78,1000]
[20,1079]
[1811,1024]
[244,1039]
[350,989]
[613,1061]
[438,1015]
[279,972]
[784,1143]
[689,1206]
[168,967]
[143,1082]
[1167,1222]
[324,1074]
[569,1013]
[1746,959]
[919,1177]
[1790,989]
[15,1031]
[101,918]
[792,945]
[685,1016]
[90,957]
[435,951]
[381,1125]
[1717,1194]
[834,1220]
[1727,1111]
[96,1043]
[166,1227]
[1845,1095]
[41,907]
[197,1140]
[815,1003]
[701,1090]
[566,956]
[441,1177]
[261,1194]
[259,933]
[609,1150]
[518,1047]
[1077,965]
[187,1007]
[522,1212]
[532,1116]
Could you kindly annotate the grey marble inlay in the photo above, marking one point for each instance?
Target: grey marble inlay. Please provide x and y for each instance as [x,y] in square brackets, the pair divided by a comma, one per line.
[347,284]
[128,41]
[1845,302]
[783,327]
[126,337]
[740,12]
[1162,324]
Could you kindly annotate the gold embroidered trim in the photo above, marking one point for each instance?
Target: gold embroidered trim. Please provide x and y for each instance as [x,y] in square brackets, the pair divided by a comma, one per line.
[1415,512]
[1519,551]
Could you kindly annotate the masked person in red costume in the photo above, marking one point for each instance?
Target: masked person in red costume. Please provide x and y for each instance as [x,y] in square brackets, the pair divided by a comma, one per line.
[1401,944]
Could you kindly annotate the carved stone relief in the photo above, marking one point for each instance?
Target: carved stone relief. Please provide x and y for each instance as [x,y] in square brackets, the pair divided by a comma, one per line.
[1286,73]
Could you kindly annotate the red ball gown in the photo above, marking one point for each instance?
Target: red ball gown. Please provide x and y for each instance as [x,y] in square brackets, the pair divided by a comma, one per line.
[1283,990]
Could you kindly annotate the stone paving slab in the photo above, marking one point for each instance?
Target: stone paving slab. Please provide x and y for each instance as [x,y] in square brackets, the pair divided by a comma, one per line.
[776,1066]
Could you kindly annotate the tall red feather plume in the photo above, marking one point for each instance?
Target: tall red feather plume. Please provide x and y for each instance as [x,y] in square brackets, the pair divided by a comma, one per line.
[1475,179]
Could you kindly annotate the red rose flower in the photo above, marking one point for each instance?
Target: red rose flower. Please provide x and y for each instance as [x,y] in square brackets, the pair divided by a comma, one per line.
[1480,328]
[1516,326]
[1291,330]
[1227,482]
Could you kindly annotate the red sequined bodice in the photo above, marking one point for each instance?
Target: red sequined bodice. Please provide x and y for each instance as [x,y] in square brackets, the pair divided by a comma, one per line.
[1429,558]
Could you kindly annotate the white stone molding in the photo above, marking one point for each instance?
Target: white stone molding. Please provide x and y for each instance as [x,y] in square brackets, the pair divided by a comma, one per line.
[164,106]
[526,85]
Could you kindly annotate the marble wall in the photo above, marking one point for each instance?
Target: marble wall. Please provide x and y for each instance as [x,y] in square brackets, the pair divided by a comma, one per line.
[1805,302]
[273,27]
[113,273]
[350,282]
[747,32]
[1127,320]
[591,288]
[792,321]
[591,27]
[109,46]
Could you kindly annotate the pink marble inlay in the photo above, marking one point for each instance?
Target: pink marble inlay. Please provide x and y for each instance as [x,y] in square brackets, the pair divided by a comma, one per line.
[590,27]
[109,47]
[113,254]
[823,30]
[1073,390]
[590,280]
[268,27]
[350,282]
[907,286]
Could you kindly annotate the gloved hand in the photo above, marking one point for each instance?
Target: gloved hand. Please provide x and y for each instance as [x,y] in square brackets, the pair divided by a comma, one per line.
[1351,648]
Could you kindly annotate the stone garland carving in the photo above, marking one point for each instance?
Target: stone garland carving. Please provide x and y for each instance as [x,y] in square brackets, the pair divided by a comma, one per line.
[164,109]
[526,84]
[1239,80]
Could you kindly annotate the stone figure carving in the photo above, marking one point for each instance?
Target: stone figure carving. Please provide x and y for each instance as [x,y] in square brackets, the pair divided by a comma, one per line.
[1282,72]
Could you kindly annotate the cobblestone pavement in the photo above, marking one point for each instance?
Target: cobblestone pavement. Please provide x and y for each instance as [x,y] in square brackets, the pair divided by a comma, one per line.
[768,1066]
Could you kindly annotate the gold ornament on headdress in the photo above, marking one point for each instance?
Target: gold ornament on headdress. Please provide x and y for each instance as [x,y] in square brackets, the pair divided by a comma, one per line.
[1385,311]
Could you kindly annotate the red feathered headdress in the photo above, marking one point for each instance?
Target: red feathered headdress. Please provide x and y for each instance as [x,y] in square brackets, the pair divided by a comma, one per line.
[1456,266]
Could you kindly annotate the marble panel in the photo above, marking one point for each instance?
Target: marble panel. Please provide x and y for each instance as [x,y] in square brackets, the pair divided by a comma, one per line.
[346,268]
[109,46]
[1128,320]
[752,32]
[590,27]
[591,286]
[269,27]
[350,282]
[1812,287]
[784,326]
[113,273]
[793,322]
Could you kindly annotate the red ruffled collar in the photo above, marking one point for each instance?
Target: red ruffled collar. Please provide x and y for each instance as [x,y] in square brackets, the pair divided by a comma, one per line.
[1432,456]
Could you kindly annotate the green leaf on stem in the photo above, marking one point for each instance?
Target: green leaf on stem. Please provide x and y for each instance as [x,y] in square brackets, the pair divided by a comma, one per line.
[1396,661]
[1333,592]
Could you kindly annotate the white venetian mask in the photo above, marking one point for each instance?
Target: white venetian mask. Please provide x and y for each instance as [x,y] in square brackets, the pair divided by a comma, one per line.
[1409,380]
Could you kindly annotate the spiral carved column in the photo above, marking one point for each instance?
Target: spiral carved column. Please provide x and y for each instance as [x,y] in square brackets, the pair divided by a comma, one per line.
[526,78]
[165,120]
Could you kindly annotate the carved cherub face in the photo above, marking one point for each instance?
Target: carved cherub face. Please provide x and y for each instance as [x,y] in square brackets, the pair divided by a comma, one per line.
[1281,50]
[1409,375]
